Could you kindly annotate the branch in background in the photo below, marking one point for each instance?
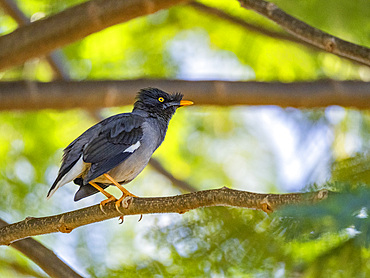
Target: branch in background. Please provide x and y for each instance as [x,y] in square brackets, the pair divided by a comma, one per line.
[29,95]
[43,36]
[35,40]
[178,183]
[19,268]
[308,33]
[246,25]
[42,256]
[68,221]
[251,27]
[35,251]
[54,59]
[11,8]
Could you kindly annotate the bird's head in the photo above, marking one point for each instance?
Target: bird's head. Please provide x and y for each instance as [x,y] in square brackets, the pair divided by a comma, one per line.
[158,103]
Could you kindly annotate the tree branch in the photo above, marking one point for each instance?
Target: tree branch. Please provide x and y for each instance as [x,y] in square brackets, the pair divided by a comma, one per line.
[308,33]
[29,95]
[43,257]
[42,36]
[11,8]
[246,25]
[252,27]
[68,221]
[54,58]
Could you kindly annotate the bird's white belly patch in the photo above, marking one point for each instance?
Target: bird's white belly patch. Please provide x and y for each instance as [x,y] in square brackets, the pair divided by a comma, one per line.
[132,148]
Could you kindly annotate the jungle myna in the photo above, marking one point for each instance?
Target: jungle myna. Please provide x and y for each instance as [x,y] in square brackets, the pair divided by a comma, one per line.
[116,150]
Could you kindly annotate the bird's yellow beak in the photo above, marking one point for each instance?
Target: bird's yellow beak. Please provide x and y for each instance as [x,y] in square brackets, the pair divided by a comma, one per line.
[186,103]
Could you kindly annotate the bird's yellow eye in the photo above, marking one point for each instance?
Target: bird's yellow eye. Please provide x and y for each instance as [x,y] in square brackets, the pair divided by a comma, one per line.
[161,99]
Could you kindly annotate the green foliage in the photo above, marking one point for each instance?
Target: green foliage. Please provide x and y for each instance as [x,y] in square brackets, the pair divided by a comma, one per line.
[313,241]
[251,148]
[146,46]
[344,19]
[353,170]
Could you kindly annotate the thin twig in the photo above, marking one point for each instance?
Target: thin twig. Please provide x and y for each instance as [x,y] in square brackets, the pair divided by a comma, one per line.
[175,181]
[43,257]
[11,8]
[252,27]
[22,95]
[308,33]
[246,25]
[68,221]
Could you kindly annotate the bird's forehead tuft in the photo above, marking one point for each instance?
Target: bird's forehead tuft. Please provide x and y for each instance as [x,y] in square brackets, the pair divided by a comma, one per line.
[177,96]
[154,93]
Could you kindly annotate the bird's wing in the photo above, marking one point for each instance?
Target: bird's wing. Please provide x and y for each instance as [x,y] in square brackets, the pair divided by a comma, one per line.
[117,140]
[72,164]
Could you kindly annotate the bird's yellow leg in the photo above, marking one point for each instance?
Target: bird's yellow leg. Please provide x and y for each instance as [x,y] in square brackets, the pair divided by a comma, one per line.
[110,197]
[124,190]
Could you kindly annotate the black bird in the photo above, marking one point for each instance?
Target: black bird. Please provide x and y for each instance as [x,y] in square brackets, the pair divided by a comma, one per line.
[116,150]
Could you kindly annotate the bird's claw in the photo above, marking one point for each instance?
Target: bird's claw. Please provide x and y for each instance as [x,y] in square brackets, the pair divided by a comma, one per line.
[103,203]
[121,219]
[125,201]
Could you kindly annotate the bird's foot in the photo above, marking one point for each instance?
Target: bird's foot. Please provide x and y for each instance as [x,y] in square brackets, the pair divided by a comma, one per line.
[266,206]
[103,203]
[125,201]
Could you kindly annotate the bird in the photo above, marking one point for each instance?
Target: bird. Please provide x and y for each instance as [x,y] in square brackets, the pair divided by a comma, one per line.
[115,150]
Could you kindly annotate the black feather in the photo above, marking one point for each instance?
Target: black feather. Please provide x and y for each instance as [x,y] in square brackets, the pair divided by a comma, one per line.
[148,101]
[61,174]
[87,190]
[115,138]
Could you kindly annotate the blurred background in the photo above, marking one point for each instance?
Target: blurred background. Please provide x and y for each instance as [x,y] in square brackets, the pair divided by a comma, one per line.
[265,149]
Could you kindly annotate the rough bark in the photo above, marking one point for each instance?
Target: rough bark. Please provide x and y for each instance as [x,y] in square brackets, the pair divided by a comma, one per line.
[68,221]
